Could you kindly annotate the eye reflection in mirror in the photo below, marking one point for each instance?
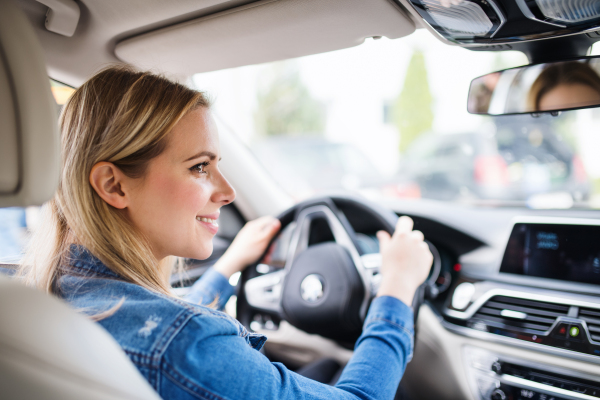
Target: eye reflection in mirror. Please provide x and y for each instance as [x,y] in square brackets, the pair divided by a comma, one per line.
[549,87]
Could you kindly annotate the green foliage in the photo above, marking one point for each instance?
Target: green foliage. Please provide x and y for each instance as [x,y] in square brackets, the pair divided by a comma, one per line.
[285,106]
[412,111]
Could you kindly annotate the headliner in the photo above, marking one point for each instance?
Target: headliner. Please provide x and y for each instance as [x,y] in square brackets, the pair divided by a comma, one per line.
[187,36]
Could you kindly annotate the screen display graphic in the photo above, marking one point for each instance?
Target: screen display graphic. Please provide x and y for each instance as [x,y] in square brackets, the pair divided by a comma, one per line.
[554,251]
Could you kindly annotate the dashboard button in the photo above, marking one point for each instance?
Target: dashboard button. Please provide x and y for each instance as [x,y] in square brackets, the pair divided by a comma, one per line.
[497,367]
[561,331]
[574,331]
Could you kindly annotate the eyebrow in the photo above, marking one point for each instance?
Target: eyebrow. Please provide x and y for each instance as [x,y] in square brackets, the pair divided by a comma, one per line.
[208,154]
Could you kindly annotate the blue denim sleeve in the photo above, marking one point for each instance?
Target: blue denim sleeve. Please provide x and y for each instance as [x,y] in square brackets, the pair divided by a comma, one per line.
[211,285]
[200,366]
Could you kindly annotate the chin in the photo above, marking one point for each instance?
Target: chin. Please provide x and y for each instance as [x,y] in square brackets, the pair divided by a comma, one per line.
[204,253]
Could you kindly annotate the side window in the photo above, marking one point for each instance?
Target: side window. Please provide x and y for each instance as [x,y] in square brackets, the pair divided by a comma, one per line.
[13,233]
[61,93]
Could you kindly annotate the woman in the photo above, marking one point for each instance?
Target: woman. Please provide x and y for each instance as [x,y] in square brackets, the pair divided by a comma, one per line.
[570,84]
[140,183]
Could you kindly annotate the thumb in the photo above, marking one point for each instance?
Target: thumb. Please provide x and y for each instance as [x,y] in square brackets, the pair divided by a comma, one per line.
[384,239]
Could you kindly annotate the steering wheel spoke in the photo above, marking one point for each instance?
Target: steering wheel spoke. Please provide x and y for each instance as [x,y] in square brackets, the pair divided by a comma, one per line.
[342,234]
[264,292]
[324,284]
[372,265]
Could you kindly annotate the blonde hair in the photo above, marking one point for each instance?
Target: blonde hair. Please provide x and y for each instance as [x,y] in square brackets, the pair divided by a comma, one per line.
[122,116]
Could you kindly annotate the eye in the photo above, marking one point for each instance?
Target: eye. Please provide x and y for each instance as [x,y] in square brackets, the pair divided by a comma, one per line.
[200,167]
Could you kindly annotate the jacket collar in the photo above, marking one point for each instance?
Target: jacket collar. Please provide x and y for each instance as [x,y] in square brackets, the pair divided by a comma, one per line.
[83,261]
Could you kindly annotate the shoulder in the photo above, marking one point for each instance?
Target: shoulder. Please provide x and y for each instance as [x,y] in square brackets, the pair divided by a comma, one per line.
[143,322]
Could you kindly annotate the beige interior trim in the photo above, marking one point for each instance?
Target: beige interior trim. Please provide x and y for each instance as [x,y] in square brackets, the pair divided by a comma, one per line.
[264,31]
[29,164]
[48,351]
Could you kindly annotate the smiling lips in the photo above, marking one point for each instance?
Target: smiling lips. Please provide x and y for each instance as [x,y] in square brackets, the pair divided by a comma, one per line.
[209,222]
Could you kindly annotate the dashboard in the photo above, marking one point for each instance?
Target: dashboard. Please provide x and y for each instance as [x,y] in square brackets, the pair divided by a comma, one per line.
[542,296]
[516,310]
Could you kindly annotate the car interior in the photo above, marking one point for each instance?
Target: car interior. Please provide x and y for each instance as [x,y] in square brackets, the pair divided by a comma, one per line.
[511,309]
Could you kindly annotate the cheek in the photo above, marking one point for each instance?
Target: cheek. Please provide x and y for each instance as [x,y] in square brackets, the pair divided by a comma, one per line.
[183,195]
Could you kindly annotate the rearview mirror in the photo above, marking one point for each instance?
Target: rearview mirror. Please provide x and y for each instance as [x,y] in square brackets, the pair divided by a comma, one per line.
[547,87]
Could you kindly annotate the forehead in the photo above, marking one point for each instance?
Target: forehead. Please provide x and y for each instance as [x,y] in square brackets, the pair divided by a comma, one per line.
[195,132]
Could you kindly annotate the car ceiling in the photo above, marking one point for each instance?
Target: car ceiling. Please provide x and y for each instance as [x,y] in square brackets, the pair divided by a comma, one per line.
[183,37]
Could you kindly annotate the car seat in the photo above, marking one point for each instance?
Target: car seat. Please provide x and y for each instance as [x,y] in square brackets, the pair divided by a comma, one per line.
[47,350]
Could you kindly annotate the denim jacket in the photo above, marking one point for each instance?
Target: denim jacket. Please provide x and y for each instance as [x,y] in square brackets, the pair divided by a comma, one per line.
[188,351]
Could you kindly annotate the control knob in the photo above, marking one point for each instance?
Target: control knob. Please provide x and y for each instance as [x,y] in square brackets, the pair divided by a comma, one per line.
[498,394]
[497,367]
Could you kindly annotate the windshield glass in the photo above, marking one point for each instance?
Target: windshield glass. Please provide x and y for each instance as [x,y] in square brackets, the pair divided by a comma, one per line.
[388,119]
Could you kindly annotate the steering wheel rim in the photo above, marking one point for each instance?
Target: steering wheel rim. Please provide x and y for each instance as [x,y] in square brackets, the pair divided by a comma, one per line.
[280,295]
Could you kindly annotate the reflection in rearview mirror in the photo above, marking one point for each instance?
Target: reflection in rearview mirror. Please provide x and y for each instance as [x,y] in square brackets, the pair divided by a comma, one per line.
[555,86]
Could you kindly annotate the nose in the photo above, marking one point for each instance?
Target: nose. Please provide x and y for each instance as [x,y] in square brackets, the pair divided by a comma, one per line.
[224,193]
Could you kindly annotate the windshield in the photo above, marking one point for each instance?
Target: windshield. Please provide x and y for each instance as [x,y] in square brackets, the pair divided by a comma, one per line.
[388,119]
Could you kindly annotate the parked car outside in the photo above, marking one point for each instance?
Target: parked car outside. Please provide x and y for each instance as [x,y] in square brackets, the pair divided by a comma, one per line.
[512,162]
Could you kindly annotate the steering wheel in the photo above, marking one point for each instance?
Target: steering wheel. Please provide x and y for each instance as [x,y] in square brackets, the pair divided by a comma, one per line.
[327,281]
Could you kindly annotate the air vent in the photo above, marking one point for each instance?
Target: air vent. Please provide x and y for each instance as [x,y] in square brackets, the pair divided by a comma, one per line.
[529,315]
[591,316]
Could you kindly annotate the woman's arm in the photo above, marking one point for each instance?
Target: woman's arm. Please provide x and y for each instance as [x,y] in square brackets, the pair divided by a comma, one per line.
[250,243]
[211,286]
[226,367]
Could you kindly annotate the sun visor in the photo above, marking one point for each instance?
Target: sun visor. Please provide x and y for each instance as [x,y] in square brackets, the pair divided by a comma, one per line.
[29,141]
[264,31]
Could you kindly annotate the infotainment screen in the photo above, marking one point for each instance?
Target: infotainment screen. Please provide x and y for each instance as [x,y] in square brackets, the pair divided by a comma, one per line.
[555,251]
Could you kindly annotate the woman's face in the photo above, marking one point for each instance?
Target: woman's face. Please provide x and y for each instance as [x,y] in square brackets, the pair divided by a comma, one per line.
[176,204]
[569,96]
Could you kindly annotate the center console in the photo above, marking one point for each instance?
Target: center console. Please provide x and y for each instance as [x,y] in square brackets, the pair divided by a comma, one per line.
[497,377]
[544,294]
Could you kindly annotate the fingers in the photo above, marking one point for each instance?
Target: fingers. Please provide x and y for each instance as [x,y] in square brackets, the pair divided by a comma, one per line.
[404,225]
[266,223]
[267,227]
[417,235]
[274,227]
[384,239]
[263,222]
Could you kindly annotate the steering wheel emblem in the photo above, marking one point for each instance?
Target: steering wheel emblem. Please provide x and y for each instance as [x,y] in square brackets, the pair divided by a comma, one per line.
[311,288]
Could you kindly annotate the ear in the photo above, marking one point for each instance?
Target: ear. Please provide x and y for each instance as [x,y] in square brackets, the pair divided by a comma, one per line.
[107,180]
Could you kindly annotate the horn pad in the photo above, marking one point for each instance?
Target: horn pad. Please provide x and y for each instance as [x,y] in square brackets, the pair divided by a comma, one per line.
[323,292]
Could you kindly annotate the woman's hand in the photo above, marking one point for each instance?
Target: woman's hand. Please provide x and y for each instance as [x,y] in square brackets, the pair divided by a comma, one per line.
[250,243]
[406,261]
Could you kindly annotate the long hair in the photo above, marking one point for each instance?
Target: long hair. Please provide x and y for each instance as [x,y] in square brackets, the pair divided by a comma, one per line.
[567,73]
[122,116]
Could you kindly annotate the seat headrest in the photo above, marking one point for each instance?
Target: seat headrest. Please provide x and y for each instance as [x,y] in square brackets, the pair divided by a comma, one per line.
[29,139]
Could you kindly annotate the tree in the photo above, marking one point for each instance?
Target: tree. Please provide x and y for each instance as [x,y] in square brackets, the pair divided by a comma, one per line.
[285,106]
[412,110]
